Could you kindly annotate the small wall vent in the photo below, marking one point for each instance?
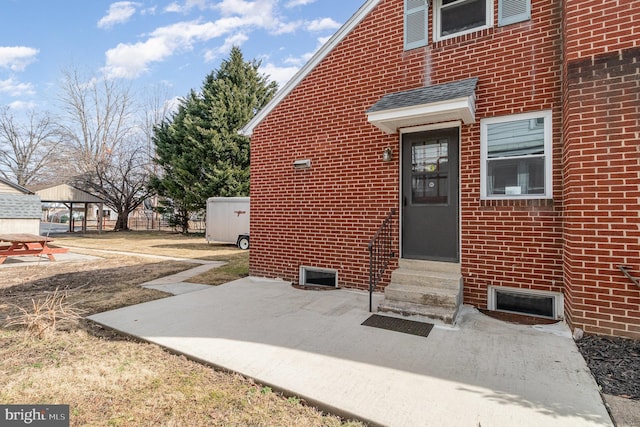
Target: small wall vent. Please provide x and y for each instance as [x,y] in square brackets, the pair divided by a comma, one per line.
[549,305]
[315,276]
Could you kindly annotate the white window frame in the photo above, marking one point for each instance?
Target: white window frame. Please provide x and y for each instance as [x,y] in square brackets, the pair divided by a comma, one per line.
[302,276]
[437,6]
[558,299]
[548,155]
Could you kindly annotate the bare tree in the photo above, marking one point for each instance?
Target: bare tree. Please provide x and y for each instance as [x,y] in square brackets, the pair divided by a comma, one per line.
[27,150]
[157,109]
[98,116]
[107,155]
[119,178]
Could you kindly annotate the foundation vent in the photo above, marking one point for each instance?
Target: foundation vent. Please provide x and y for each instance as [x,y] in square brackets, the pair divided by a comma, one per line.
[315,276]
[524,301]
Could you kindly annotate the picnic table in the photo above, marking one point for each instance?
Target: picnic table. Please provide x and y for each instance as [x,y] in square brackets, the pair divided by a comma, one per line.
[23,244]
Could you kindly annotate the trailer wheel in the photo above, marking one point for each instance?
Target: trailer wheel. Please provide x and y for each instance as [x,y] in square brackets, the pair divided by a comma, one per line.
[243,242]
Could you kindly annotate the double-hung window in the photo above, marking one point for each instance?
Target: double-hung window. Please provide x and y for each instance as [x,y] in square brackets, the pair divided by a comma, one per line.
[516,156]
[456,17]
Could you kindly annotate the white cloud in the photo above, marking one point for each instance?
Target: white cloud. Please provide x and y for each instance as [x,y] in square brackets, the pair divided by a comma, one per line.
[149,11]
[259,13]
[323,40]
[118,13]
[235,40]
[132,60]
[173,8]
[280,75]
[176,7]
[237,7]
[23,105]
[287,27]
[238,17]
[16,58]
[14,88]
[294,3]
[322,24]
[171,105]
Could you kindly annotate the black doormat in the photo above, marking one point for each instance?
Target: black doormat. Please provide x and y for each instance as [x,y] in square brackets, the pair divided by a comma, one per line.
[399,325]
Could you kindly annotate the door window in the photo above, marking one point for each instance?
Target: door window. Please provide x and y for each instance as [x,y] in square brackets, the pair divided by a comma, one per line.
[430,172]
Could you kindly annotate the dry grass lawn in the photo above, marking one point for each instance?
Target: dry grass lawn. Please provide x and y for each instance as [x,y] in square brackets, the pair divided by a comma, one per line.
[108,379]
[154,243]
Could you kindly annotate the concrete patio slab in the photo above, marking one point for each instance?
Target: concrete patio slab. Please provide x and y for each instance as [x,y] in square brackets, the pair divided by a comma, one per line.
[178,288]
[311,344]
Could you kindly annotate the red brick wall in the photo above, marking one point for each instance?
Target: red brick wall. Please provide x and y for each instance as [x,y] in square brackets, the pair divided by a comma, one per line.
[602,165]
[324,216]
[594,27]
[508,243]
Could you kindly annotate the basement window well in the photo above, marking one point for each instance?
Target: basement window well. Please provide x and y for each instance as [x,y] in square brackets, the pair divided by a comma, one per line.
[315,276]
[526,301]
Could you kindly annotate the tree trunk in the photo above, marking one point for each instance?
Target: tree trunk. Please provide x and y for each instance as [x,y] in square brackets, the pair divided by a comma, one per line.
[184,221]
[122,223]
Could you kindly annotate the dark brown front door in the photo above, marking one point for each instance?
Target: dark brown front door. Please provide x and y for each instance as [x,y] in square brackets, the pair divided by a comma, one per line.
[430,195]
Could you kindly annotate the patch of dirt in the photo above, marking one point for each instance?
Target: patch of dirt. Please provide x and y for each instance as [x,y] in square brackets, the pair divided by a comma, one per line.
[615,364]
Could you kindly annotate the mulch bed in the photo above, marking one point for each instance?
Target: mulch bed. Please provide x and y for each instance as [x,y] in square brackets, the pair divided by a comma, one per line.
[614,362]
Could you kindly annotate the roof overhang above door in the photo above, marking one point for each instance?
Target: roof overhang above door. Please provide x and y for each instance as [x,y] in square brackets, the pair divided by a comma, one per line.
[431,104]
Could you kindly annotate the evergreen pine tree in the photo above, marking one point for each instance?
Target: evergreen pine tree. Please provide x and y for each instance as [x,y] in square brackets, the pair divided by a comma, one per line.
[200,151]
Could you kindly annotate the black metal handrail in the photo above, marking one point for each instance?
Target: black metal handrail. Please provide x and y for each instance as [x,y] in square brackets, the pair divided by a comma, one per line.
[380,253]
[625,270]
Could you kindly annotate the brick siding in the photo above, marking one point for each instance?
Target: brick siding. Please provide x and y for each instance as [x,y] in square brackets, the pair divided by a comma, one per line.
[579,59]
[325,215]
[602,165]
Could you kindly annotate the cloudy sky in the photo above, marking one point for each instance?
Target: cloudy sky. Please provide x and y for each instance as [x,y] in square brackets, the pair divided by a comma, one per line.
[154,42]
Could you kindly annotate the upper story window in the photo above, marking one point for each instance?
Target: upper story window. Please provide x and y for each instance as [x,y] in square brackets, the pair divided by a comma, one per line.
[516,156]
[456,17]
[452,18]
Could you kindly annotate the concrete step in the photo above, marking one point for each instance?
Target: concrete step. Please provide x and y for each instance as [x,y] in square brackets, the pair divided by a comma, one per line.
[446,315]
[423,294]
[431,266]
[432,279]
[424,288]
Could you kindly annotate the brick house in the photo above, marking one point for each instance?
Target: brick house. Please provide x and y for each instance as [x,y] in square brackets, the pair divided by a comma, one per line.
[500,136]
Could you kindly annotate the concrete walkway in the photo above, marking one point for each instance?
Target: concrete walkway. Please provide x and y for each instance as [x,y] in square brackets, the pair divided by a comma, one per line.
[178,284]
[175,284]
[311,344]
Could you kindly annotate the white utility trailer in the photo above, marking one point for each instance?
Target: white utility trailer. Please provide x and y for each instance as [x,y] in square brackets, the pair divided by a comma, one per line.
[228,220]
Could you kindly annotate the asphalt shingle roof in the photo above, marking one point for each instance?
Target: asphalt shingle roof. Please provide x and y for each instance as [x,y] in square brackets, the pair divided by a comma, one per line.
[16,186]
[20,206]
[426,95]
